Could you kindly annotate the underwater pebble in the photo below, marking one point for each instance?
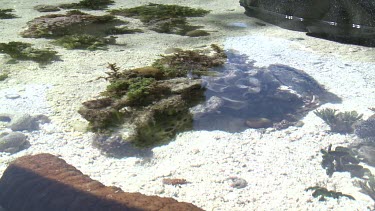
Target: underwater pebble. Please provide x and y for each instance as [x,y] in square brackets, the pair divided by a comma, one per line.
[24,122]
[12,96]
[12,142]
[258,123]
[237,182]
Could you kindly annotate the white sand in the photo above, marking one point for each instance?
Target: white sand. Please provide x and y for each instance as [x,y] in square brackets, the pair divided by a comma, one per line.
[278,165]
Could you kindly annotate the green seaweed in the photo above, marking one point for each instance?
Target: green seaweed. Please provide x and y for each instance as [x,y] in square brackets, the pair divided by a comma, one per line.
[6,14]
[24,51]
[342,159]
[170,19]
[88,4]
[161,121]
[73,22]
[152,102]
[122,30]
[4,76]
[195,63]
[322,193]
[341,122]
[100,119]
[83,41]
[368,187]
[152,12]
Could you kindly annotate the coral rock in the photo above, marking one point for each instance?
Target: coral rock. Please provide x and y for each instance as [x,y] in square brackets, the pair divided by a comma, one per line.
[46,182]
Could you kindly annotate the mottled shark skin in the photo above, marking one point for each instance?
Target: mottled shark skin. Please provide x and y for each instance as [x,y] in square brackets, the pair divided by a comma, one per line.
[346,21]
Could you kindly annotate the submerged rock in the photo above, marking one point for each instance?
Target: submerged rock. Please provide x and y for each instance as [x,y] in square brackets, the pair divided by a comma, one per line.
[13,142]
[366,129]
[22,121]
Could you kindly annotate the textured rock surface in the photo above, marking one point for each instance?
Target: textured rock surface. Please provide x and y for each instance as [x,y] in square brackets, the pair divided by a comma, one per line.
[56,25]
[345,21]
[366,129]
[46,182]
[13,142]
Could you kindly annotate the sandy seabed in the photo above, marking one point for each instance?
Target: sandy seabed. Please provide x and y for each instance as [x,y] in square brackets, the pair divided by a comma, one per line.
[277,165]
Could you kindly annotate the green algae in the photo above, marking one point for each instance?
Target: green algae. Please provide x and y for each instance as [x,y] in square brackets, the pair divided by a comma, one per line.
[25,51]
[192,62]
[88,4]
[122,30]
[151,12]
[342,159]
[170,19]
[368,187]
[83,41]
[162,127]
[322,193]
[6,14]
[341,122]
[4,76]
[73,22]
[150,105]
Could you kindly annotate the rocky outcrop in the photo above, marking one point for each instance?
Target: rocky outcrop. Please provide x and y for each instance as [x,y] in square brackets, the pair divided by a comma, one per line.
[347,21]
[45,182]
[74,22]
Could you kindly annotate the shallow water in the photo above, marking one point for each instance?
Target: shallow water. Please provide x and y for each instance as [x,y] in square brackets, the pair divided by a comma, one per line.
[277,159]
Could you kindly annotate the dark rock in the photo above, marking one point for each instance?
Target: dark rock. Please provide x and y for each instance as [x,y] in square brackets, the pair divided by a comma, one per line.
[46,182]
[365,129]
[13,142]
[344,21]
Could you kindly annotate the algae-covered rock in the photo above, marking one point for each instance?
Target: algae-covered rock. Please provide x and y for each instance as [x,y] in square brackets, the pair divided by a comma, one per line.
[149,105]
[170,19]
[73,22]
[366,129]
[88,4]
